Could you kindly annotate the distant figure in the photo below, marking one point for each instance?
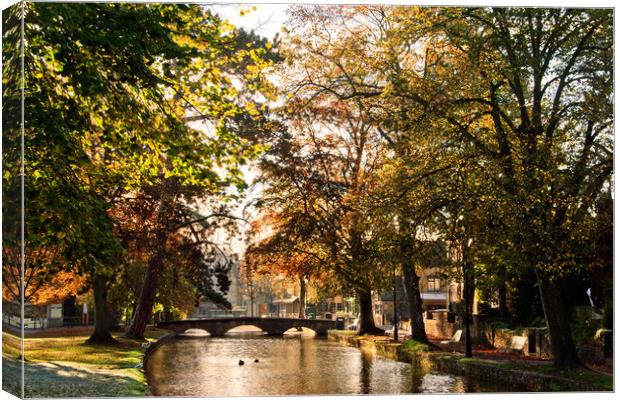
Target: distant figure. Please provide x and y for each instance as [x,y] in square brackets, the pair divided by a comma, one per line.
[589,293]
[241,362]
[84,314]
[256,360]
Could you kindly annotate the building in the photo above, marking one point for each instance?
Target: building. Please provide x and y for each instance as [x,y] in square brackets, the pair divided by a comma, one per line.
[36,316]
[437,290]
[52,305]
[334,307]
[254,295]
[235,291]
[287,307]
[207,308]
[279,296]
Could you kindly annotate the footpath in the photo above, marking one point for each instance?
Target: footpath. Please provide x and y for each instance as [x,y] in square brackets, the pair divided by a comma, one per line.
[520,373]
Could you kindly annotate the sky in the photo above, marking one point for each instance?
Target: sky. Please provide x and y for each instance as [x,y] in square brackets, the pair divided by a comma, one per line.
[266,20]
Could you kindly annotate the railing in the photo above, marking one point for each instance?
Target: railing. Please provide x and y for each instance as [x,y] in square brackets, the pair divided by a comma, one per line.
[29,323]
[43,323]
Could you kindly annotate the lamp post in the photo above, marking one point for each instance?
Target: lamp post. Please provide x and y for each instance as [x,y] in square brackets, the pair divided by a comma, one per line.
[397,225]
[395,309]
[466,289]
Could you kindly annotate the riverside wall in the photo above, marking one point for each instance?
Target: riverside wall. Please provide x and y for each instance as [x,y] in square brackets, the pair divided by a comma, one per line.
[488,370]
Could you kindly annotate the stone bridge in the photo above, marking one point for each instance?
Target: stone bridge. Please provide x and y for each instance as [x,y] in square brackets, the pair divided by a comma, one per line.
[273,326]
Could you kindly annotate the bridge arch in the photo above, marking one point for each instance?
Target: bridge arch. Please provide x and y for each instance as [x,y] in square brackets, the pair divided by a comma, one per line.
[195,332]
[273,326]
[246,330]
[300,331]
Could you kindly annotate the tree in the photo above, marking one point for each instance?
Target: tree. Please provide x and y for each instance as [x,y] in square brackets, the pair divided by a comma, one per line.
[40,266]
[334,152]
[524,95]
[360,62]
[188,270]
[12,147]
[529,89]
[174,229]
[318,205]
[285,252]
[81,82]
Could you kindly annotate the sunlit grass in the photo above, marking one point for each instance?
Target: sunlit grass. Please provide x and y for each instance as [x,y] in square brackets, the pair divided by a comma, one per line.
[415,346]
[344,332]
[67,366]
[11,345]
[578,374]
[123,355]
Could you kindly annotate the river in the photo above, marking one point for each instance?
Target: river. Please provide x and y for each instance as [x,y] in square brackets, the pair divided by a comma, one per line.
[288,366]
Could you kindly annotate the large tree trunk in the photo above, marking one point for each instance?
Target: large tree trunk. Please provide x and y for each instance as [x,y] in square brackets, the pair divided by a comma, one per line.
[302,297]
[558,322]
[103,316]
[146,300]
[366,320]
[412,288]
[411,282]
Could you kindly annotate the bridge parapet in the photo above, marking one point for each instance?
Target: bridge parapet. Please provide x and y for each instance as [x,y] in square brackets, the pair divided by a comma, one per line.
[273,326]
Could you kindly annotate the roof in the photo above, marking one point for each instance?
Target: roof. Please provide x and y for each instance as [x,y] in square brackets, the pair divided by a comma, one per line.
[212,305]
[286,301]
[439,296]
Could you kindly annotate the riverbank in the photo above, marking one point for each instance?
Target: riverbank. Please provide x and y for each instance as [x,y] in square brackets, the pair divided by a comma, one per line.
[60,364]
[523,376]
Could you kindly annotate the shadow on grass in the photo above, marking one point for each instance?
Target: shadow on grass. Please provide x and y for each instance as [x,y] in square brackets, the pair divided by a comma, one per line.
[55,379]
[11,376]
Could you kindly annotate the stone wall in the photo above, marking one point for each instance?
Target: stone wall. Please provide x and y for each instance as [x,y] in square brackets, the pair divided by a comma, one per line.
[439,327]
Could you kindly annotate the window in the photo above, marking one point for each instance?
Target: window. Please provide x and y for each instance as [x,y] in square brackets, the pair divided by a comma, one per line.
[434,284]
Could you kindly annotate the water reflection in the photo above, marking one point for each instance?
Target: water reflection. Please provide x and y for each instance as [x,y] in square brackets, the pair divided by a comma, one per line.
[365,385]
[286,366]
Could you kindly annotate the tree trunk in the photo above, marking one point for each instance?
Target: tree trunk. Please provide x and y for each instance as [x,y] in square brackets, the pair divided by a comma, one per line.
[366,320]
[103,316]
[411,281]
[144,307]
[412,288]
[502,293]
[302,297]
[558,322]
[146,300]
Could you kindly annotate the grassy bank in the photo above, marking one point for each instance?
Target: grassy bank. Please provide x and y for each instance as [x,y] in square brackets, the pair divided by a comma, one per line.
[68,367]
[604,382]
[525,372]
